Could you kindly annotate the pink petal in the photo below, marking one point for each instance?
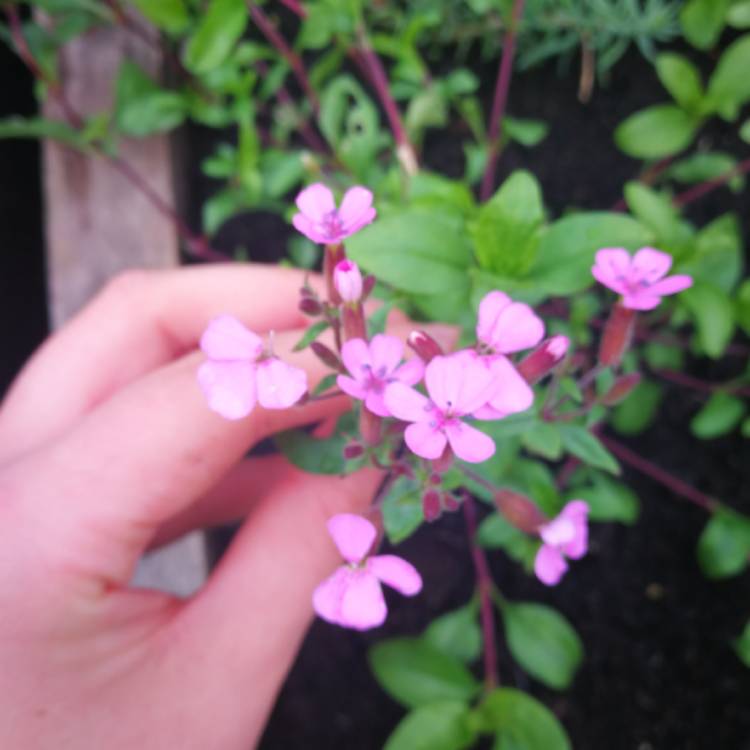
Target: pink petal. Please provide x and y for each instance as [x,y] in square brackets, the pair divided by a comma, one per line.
[425,440]
[351,387]
[366,218]
[508,326]
[671,285]
[410,372]
[315,202]
[612,268]
[605,277]
[490,309]
[487,414]
[468,443]
[403,402]
[577,512]
[549,565]
[385,354]
[353,535]
[355,355]
[641,300]
[397,573]
[512,393]
[328,595]
[375,402]
[649,265]
[356,206]
[305,226]
[226,338]
[558,532]
[459,383]
[280,385]
[363,606]
[229,387]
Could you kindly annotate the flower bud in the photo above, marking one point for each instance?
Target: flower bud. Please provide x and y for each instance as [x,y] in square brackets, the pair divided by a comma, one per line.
[618,333]
[368,284]
[325,355]
[519,511]
[543,359]
[424,346]
[370,427]
[348,280]
[431,505]
[310,306]
[621,388]
[353,450]
[450,503]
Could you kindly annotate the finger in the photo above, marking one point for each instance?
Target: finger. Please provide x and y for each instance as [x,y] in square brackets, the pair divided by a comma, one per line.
[257,605]
[140,321]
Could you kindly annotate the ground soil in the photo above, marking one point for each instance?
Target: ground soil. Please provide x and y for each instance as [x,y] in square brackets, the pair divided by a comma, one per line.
[659,672]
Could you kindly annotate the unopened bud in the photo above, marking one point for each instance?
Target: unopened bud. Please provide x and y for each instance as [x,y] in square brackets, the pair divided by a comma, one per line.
[543,359]
[618,333]
[368,284]
[519,511]
[325,355]
[353,450]
[424,346]
[621,388]
[370,427]
[348,280]
[431,505]
[435,478]
[310,306]
[450,503]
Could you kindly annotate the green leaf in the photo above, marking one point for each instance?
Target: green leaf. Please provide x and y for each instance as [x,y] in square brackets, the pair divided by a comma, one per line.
[724,545]
[681,78]
[415,673]
[702,21]
[222,206]
[38,127]
[521,722]
[170,15]
[608,500]
[457,634]
[720,415]
[415,250]
[311,334]
[545,440]
[506,233]
[703,166]
[325,384]
[742,645]
[581,443]
[496,533]
[402,509]
[526,132]
[745,131]
[437,726]
[656,211]
[220,28]
[738,15]
[712,311]
[656,132]
[729,86]
[320,456]
[742,304]
[142,108]
[639,409]
[543,642]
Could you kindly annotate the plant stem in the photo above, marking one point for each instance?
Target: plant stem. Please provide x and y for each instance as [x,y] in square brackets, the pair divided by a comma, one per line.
[663,477]
[688,381]
[703,188]
[485,587]
[502,87]
[295,7]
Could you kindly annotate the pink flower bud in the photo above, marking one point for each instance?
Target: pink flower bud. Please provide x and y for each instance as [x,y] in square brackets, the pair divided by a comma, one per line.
[348,280]
[621,388]
[543,359]
[325,355]
[424,346]
[618,333]
[368,284]
[310,306]
[353,450]
[450,503]
[519,511]
[431,505]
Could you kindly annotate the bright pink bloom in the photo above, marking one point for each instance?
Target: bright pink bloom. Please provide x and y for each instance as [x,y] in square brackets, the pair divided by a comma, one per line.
[352,596]
[567,535]
[233,378]
[457,385]
[505,326]
[640,279]
[320,220]
[373,366]
[348,280]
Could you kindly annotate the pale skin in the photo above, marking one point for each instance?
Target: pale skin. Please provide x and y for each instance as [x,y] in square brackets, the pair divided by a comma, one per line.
[107,448]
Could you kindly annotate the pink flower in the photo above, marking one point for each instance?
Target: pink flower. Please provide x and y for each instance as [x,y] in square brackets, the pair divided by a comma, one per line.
[348,281]
[373,366]
[640,279]
[457,385]
[567,535]
[352,596]
[233,378]
[320,220]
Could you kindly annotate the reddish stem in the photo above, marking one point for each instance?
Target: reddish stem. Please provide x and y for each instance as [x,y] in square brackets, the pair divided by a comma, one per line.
[688,381]
[502,87]
[698,191]
[647,178]
[484,586]
[295,7]
[663,477]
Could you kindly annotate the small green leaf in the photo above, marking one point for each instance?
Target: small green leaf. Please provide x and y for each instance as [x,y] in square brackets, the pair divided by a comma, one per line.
[38,127]
[720,415]
[742,645]
[521,722]
[457,634]
[656,211]
[311,334]
[745,131]
[543,642]
[639,409]
[415,673]
[712,311]
[656,132]
[729,86]
[608,500]
[402,509]
[742,306]
[681,78]
[702,21]
[705,165]
[170,15]
[496,533]
[325,384]
[581,443]
[738,15]
[220,28]
[526,132]
[437,726]
[545,440]
[724,545]
[222,206]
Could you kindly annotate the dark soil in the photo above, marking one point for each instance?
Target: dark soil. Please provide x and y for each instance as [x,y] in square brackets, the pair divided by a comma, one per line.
[659,672]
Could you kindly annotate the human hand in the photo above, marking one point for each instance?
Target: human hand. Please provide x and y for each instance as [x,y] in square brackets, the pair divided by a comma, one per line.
[106,448]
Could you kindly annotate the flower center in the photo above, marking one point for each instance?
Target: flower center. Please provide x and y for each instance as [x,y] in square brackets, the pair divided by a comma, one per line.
[332,224]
